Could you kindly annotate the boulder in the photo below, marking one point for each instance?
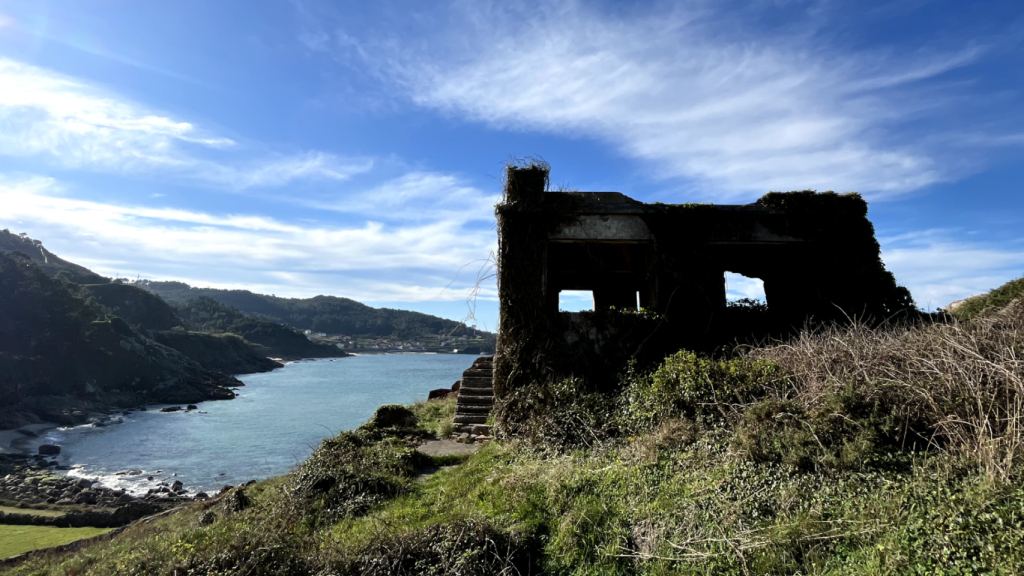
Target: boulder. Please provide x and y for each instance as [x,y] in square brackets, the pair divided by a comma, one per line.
[171,409]
[457,385]
[177,486]
[49,449]
[438,394]
[392,416]
[193,407]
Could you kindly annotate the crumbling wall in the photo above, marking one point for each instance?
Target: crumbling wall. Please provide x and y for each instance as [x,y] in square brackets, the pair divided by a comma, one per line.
[815,252]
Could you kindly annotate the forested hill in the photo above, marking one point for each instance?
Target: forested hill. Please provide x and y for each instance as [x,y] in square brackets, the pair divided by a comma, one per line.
[329,314]
[48,262]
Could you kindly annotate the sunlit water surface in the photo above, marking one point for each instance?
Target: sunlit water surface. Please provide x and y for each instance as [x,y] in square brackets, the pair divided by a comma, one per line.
[274,423]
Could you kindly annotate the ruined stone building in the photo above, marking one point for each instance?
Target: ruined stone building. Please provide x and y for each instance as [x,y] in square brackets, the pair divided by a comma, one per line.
[815,252]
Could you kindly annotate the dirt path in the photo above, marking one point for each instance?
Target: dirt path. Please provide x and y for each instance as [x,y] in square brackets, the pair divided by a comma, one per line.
[446,447]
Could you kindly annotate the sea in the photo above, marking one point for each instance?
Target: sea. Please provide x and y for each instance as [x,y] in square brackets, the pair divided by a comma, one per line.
[274,423]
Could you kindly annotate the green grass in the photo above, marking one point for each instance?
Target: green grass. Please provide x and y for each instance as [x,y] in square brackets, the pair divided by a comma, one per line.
[33,511]
[796,461]
[15,540]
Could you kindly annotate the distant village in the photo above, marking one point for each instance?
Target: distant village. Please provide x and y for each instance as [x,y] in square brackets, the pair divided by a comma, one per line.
[438,344]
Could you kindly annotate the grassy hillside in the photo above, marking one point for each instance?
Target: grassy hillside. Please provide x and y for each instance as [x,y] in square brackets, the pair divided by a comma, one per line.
[993,301]
[274,339]
[59,351]
[321,314]
[850,451]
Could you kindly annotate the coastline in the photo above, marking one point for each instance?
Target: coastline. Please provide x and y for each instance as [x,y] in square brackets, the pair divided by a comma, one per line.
[15,441]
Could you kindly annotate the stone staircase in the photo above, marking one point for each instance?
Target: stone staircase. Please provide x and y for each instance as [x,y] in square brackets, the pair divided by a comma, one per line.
[476,395]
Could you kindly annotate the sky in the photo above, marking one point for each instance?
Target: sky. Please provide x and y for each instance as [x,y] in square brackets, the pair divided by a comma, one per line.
[304,147]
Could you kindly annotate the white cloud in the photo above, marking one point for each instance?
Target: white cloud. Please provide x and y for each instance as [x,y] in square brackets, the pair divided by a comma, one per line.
[419,196]
[80,126]
[371,261]
[739,286]
[938,268]
[686,89]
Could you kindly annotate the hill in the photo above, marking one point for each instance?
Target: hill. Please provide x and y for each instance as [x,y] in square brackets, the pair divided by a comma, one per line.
[47,261]
[274,339]
[61,353]
[851,450]
[329,314]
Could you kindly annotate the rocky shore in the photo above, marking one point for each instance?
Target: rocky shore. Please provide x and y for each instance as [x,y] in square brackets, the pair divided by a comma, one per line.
[28,483]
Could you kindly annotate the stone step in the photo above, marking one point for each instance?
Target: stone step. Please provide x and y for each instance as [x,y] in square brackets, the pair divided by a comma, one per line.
[472,381]
[476,392]
[488,400]
[473,373]
[470,419]
[473,409]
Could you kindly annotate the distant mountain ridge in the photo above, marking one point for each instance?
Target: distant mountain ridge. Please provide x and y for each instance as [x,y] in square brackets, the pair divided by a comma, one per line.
[330,314]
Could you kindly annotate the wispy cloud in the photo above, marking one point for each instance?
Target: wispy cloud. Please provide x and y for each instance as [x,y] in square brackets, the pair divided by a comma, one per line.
[370,261]
[81,126]
[418,196]
[938,267]
[732,108]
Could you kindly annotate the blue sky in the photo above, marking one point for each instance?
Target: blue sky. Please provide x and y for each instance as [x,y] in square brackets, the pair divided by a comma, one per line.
[311,147]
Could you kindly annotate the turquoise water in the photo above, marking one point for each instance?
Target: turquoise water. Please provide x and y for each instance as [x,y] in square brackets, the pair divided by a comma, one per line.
[274,423]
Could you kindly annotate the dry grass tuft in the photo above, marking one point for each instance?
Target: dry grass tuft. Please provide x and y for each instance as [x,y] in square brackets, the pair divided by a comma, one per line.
[958,386]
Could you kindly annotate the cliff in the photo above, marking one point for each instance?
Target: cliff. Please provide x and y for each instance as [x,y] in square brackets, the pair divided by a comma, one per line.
[60,353]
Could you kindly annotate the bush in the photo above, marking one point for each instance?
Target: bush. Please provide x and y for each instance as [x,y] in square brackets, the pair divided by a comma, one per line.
[705,390]
[463,547]
[957,386]
[995,300]
[348,474]
[563,414]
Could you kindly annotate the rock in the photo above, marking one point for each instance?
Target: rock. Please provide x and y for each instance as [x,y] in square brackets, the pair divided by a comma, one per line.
[49,449]
[462,438]
[438,394]
[85,483]
[250,483]
[150,478]
[193,407]
[171,409]
[123,499]
[457,385]
[208,517]
[177,486]
[227,488]
[392,416]
[237,500]
[142,409]
[202,495]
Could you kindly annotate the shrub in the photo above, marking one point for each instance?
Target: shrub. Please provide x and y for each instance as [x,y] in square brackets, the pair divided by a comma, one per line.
[562,413]
[958,386]
[705,390]
[995,300]
[462,547]
[348,474]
